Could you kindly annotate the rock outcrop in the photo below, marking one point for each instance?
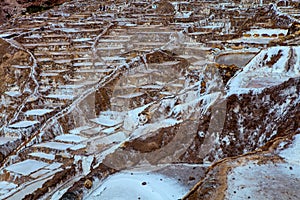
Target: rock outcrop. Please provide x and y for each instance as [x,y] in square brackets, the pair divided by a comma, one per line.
[10,8]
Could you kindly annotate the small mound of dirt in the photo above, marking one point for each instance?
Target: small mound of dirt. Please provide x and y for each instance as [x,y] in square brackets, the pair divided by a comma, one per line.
[165,7]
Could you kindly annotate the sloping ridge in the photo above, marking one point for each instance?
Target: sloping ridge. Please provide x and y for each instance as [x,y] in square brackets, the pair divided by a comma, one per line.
[268,118]
[271,66]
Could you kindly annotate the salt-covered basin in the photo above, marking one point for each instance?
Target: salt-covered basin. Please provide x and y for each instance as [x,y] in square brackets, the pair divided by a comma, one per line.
[138,185]
[238,59]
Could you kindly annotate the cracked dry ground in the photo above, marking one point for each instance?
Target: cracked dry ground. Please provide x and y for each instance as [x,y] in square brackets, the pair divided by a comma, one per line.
[130,95]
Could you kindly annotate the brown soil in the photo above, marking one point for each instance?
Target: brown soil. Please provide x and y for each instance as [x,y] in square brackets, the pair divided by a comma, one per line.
[274,59]
[7,74]
[165,7]
[9,8]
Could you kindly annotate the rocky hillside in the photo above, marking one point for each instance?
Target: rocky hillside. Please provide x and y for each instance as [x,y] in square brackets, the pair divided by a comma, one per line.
[10,8]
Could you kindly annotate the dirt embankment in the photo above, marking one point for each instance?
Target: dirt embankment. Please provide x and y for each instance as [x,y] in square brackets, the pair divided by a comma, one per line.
[9,8]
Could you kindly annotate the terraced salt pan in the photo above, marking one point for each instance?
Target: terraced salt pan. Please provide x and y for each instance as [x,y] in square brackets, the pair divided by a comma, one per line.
[28,188]
[60,96]
[111,130]
[49,74]
[92,131]
[3,35]
[44,59]
[158,87]
[21,66]
[69,30]
[73,86]
[106,121]
[83,64]
[77,147]
[53,166]
[132,95]
[117,137]
[267,31]
[4,140]
[13,93]
[82,39]
[39,173]
[62,61]
[24,124]
[93,70]
[184,14]
[5,186]
[70,138]
[37,112]
[113,58]
[252,40]
[43,155]
[54,145]
[79,129]
[138,185]
[26,167]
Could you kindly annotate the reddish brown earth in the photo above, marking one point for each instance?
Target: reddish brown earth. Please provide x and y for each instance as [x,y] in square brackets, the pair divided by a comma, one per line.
[9,8]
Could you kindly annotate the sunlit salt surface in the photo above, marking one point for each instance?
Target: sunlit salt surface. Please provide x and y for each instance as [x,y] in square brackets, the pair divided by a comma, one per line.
[138,185]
